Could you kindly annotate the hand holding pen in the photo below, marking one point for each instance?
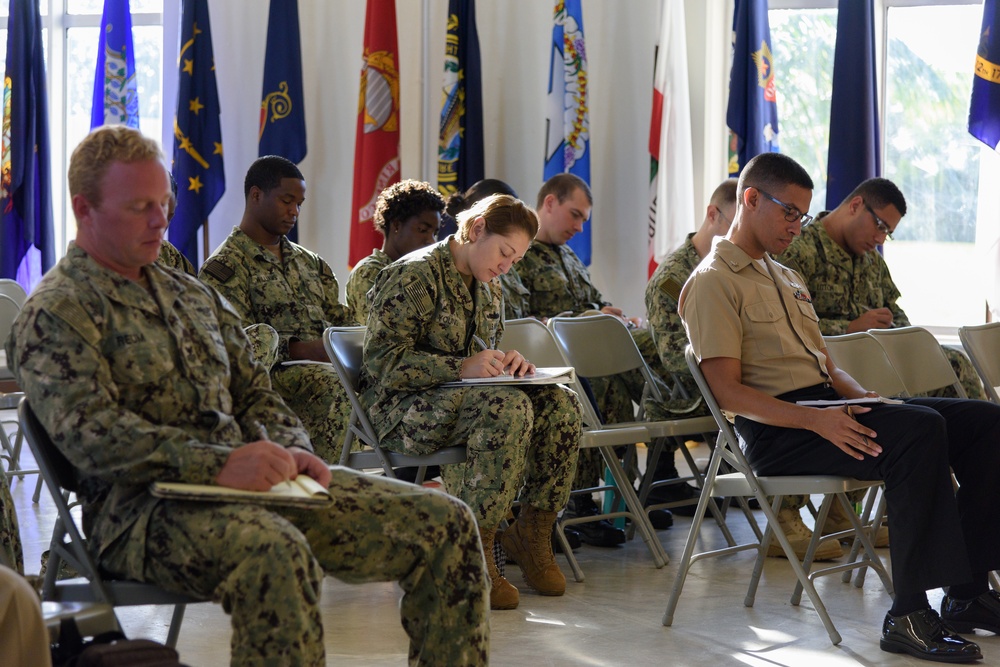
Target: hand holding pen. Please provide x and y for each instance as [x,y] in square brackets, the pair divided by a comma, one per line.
[491,363]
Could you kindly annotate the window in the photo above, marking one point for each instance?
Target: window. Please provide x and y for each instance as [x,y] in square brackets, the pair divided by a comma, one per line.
[927,49]
[70,30]
[803,42]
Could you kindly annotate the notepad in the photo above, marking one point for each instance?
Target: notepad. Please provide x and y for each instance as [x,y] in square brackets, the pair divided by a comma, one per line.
[867,400]
[547,375]
[302,491]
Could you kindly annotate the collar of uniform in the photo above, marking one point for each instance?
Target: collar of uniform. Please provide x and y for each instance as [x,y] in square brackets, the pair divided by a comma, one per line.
[734,256]
[257,251]
[114,286]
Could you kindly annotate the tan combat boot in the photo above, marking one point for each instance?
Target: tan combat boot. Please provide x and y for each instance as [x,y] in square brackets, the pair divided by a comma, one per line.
[799,535]
[837,521]
[503,595]
[528,542]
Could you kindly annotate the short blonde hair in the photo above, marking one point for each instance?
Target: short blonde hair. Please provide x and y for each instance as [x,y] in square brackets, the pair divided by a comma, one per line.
[503,214]
[94,155]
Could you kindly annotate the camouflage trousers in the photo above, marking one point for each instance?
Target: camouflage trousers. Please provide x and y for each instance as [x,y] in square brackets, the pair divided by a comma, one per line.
[515,437]
[265,566]
[263,343]
[11,553]
[314,393]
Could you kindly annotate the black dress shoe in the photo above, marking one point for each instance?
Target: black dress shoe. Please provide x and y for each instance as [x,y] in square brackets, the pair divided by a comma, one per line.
[661,519]
[981,612]
[675,493]
[599,533]
[923,634]
[572,536]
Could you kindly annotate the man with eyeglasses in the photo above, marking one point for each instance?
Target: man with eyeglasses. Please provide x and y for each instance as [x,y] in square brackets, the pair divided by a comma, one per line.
[753,328]
[849,279]
[662,293]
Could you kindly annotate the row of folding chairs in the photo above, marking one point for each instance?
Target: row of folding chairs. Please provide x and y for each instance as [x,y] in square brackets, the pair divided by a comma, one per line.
[596,346]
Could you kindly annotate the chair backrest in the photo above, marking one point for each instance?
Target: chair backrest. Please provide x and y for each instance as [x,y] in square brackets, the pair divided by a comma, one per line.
[55,468]
[67,541]
[728,445]
[596,345]
[534,340]
[9,310]
[863,358]
[345,347]
[11,288]
[918,359]
[601,345]
[8,313]
[982,344]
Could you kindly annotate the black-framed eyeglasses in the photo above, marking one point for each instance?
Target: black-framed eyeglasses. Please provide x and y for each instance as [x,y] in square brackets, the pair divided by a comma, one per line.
[879,222]
[792,214]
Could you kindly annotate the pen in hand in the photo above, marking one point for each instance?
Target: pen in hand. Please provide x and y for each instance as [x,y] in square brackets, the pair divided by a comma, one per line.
[482,343]
[261,431]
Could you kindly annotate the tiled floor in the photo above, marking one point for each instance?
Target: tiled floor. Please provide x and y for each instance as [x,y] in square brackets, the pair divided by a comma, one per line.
[613,618]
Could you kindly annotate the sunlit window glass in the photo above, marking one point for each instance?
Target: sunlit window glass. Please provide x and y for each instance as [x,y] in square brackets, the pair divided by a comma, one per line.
[803,42]
[931,156]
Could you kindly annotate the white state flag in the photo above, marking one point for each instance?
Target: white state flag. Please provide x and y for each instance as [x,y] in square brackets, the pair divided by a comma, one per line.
[671,210]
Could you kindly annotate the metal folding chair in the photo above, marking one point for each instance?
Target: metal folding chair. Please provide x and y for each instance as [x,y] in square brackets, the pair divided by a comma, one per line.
[918,359]
[532,339]
[743,483]
[69,545]
[600,346]
[345,347]
[982,344]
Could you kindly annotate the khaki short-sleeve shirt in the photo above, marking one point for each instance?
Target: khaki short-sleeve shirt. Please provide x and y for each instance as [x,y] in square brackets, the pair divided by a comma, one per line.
[762,315]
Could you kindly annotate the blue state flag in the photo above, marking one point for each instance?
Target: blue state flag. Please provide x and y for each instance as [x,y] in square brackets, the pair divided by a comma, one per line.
[460,140]
[197,167]
[752,114]
[282,111]
[27,248]
[116,96]
[567,125]
[855,150]
[984,109]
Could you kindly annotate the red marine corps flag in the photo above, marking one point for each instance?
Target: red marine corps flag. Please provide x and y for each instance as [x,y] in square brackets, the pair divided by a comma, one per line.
[376,148]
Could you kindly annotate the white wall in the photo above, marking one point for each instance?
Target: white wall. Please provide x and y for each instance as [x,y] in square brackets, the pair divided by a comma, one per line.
[514,37]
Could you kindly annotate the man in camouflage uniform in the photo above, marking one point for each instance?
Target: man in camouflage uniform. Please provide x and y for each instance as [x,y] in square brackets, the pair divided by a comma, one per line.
[420,332]
[268,279]
[558,283]
[662,294]
[848,278]
[142,374]
[407,215]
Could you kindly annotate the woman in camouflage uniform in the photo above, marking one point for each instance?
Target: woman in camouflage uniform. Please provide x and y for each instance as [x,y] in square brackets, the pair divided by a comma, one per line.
[430,312]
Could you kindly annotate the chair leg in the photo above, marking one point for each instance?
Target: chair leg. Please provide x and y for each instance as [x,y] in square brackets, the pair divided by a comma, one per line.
[639,517]
[800,574]
[175,625]
[568,552]
[684,565]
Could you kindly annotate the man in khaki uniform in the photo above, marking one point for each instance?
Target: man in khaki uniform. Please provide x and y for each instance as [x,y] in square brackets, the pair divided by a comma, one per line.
[141,373]
[852,289]
[270,280]
[662,293]
[754,331]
